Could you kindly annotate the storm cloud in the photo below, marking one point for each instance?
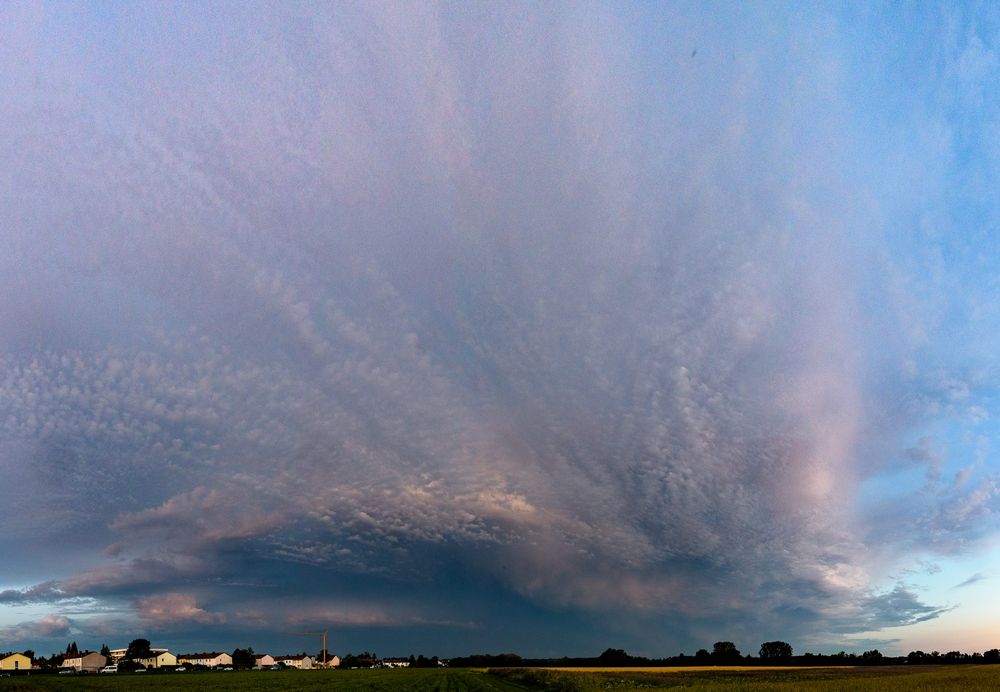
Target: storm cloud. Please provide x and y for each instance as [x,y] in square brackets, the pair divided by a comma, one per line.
[533,301]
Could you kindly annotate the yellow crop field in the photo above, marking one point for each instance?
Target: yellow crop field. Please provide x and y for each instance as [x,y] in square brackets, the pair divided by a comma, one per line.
[902,678]
[685,669]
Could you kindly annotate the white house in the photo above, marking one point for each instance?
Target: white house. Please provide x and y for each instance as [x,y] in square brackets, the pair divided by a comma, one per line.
[210,659]
[263,661]
[301,662]
[117,655]
[89,662]
[396,662]
[332,661]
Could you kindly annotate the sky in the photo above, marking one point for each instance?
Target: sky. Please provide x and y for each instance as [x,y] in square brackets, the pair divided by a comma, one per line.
[479,327]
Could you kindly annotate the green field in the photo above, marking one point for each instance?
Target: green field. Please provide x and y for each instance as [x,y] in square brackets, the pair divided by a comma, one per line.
[876,679]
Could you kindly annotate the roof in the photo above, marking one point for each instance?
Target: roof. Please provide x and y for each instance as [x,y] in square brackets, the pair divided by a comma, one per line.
[207,654]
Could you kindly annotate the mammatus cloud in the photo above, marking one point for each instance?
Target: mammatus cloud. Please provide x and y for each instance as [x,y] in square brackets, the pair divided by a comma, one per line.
[378,292]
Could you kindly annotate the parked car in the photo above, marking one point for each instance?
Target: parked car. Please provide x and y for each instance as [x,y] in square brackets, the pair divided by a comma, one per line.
[113,668]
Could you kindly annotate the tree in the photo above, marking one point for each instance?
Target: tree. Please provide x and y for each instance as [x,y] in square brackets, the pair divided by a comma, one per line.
[775,651]
[71,649]
[105,651]
[725,653]
[362,660]
[244,658]
[614,657]
[30,654]
[138,648]
[873,656]
[128,666]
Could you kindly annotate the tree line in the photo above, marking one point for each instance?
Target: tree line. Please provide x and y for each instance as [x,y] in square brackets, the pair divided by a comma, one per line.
[725,653]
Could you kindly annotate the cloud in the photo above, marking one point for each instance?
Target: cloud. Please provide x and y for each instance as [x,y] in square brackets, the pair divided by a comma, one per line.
[898,607]
[31,594]
[926,453]
[25,633]
[975,578]
[171,609]
[355,616]
[368,292]
[202,514]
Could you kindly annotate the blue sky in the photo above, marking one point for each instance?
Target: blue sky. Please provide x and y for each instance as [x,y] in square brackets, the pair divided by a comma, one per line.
[476,327]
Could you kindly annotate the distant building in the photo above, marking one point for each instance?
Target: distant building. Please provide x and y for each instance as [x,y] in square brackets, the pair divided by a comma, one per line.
[118,655]
[159,659]
[88,662]
[15,662]
[211,659]
[263,661]
[396,662]
[332,661]
[300,662]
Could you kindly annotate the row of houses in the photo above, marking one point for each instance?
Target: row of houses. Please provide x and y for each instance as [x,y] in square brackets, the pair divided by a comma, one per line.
[92,662]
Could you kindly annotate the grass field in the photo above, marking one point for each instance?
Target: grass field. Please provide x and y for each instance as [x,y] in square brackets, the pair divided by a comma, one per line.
[382,680]
[875,679]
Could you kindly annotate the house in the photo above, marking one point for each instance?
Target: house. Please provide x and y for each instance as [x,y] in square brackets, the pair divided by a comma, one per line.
[159,659]
[15,662]
[263,661]
[87,662]
[332,661]
[302,662]
[210,659]
[118,655]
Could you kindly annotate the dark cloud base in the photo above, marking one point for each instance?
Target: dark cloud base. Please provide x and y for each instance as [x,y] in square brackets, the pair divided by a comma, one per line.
[447,325]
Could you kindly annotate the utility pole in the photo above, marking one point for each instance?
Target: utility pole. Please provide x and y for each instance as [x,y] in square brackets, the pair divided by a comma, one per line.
[316,634]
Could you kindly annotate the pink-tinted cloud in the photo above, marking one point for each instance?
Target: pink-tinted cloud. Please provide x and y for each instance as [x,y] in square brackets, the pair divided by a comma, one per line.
[204,514]
[172,609]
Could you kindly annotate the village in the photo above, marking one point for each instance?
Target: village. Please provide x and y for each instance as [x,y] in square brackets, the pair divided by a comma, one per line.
[140,657]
